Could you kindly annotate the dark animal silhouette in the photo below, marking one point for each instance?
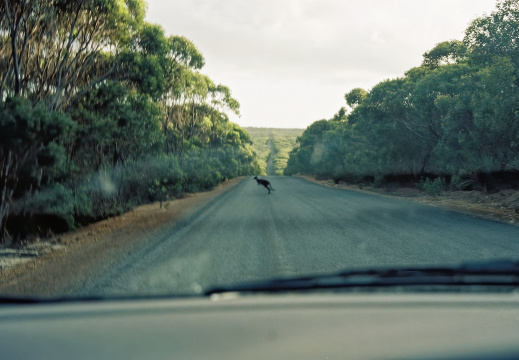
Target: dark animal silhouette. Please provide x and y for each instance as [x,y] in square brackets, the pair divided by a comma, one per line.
[264,183]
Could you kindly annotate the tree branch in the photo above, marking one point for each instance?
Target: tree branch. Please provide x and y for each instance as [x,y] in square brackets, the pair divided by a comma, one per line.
[87,88]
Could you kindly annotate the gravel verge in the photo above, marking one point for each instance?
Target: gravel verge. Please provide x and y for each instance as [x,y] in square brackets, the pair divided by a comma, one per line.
[502,206]
[60,266]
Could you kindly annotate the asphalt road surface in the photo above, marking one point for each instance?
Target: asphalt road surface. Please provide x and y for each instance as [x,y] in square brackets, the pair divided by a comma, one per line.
[301,228]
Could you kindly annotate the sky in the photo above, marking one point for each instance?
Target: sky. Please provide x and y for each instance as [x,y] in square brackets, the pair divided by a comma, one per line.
[290,62]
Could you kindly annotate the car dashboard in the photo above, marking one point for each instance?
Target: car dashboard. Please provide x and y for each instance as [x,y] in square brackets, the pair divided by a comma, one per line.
[261,326]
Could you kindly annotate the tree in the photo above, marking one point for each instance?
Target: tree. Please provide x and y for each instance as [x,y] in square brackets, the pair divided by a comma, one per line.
[55,51]
[495,35]
[310,149]
[96,95]
[355,97]
[115,126]
[31,141]
[444,53]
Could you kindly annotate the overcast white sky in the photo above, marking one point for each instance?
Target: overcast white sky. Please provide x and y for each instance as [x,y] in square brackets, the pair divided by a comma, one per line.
[290,62]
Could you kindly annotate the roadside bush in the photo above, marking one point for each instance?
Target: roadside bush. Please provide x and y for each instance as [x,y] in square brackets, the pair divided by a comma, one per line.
[461,181]
[96,199]
[113,191]
[202,177]
[149,180]
[55,200]
[433,187]
[48,211]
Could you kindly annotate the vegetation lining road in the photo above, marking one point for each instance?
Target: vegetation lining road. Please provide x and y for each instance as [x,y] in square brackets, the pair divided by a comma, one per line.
[449,123]
[100,112]
[272,147]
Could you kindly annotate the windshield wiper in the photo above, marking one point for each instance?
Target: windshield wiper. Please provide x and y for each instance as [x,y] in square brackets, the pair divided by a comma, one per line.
[20,300]
[502,274]
[476,276]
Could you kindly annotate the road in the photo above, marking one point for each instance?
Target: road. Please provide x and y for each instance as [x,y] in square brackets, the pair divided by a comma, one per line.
[301,228]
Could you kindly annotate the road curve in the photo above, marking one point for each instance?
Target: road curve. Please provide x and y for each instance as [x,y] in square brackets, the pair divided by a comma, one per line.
[301,228]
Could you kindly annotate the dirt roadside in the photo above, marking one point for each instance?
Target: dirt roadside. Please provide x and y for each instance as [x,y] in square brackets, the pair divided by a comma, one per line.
[502,206]
[85,253]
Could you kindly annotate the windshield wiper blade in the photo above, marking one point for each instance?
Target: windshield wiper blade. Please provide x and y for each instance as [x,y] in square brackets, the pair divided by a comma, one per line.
[487,274]
[15,300]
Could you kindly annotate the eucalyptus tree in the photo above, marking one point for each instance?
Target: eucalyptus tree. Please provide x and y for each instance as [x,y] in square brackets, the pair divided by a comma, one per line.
[444,53]
[355,97]
[88,85]
[55,51]
[115,125]
[495,35]
[454,114]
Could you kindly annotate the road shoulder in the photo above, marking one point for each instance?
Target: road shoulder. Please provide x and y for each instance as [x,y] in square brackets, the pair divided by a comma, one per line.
[502,206]
[86,252]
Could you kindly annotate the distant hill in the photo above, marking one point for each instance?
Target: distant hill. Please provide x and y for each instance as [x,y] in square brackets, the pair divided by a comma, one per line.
[273,146]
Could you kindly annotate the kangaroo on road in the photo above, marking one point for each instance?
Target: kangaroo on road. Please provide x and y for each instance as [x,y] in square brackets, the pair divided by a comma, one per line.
[264,183]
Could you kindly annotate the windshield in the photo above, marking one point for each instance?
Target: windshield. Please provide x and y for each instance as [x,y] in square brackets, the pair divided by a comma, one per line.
[173,148]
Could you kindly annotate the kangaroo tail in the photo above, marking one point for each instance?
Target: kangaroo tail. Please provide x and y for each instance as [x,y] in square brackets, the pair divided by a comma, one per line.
[271,188]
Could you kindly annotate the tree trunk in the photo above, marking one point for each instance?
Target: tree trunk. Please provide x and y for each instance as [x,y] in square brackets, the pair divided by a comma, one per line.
[5,194]
[13,34]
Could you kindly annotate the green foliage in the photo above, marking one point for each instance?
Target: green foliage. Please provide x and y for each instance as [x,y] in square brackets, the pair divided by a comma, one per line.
[444,53]
[163,178]
[433,187]
[261,146]
[311,154]
[495,35]
[355,97]
[32,150]
[455,114]
[55,51]
[464,181]
[109,112]
[111,121]
[56,200]
[272,147]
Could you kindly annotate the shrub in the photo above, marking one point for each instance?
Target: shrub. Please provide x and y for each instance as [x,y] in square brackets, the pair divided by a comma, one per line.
[53,200]
[433,187]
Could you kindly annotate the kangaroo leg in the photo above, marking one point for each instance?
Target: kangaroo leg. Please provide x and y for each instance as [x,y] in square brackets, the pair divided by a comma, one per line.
[267,187]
